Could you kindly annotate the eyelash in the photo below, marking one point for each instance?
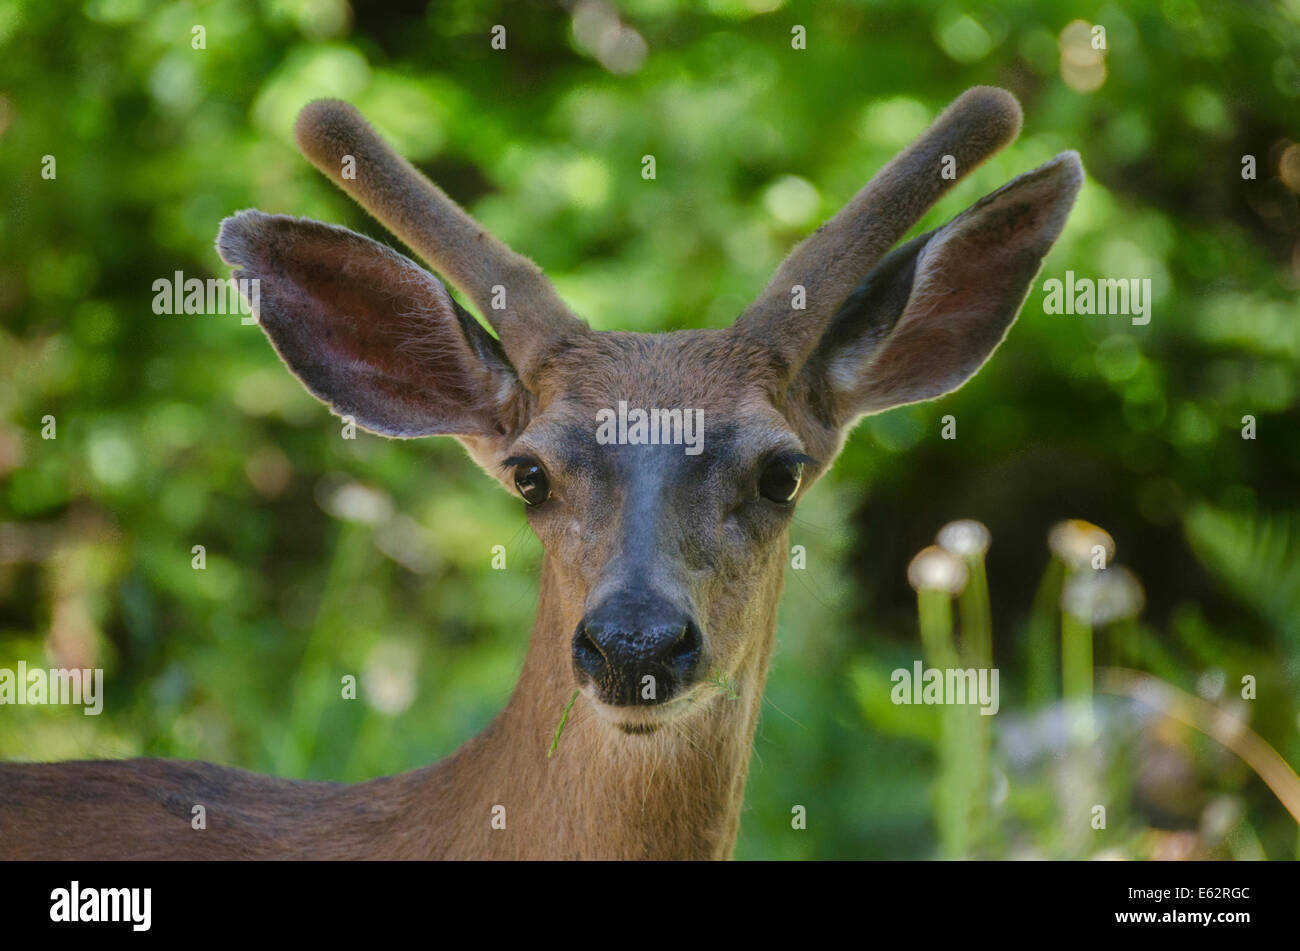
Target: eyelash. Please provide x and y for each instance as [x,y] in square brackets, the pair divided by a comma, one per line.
[791,457]
[514,462]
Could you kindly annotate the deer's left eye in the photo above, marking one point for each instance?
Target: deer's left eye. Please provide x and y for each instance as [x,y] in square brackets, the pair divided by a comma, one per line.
[531,481]
[781,478]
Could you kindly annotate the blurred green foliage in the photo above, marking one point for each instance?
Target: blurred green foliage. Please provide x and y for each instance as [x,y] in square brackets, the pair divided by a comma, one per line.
[326,556]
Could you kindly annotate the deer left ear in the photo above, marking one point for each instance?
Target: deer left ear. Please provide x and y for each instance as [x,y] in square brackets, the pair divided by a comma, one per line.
[932,311]
[371,333]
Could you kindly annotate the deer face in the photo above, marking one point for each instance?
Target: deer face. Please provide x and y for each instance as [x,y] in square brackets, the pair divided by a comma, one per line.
[660,476]
[660,472]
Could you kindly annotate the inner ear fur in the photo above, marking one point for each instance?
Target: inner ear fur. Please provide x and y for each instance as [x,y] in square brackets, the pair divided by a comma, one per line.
[370,332]
[931,312]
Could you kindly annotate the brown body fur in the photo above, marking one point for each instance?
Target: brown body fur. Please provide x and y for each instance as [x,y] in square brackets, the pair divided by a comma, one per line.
[670,795]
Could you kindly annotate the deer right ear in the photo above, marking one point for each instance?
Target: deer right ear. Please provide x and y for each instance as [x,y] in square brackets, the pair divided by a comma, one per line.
[929,314]
[370,332]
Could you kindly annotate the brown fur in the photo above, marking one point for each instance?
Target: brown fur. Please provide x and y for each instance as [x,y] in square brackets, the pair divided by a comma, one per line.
[675,794]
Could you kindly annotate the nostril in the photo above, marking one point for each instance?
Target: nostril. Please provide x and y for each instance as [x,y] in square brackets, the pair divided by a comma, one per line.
[685,651]
[586,652]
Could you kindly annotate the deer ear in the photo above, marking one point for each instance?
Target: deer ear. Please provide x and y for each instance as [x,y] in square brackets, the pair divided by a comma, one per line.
[370,332]
[932,311]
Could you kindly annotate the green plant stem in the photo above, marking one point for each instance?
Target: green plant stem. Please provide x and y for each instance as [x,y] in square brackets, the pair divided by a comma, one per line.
[1076,684]
[1041,637]
[1076,657]
[952,814]
[1076,674]
[977,652]
[555,741]
[976,619]
[935,611]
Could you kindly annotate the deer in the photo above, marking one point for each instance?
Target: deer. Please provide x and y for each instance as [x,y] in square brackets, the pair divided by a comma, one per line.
[659,566]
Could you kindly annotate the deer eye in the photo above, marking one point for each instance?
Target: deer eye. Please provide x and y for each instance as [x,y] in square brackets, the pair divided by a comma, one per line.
[531,481]
[780,479]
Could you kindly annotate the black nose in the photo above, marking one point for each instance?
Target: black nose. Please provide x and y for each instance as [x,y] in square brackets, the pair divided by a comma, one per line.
[637,649]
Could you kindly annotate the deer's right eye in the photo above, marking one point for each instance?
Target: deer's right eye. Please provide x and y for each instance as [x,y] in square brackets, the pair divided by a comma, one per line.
[531,481]
[781,478]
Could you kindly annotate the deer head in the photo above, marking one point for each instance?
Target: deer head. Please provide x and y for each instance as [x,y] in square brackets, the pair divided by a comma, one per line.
[664,557]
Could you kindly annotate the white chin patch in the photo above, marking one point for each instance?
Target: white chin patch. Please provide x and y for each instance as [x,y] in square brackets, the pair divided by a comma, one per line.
[637,720]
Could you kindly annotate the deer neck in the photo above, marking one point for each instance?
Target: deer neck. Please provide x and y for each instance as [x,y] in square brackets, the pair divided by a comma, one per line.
[675,793]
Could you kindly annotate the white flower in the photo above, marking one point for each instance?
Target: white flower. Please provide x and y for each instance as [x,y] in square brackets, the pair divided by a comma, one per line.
[934,569]
[965,538]
[1100,597]
[1073,542]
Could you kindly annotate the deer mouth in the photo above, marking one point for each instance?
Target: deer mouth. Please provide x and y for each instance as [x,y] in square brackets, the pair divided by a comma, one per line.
[638,720]
[638,729]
